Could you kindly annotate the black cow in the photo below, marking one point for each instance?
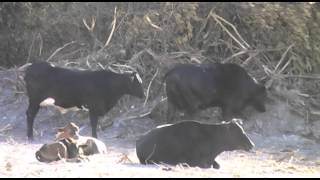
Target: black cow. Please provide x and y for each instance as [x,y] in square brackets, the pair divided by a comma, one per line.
[191,143]
[191,88]
[98,91]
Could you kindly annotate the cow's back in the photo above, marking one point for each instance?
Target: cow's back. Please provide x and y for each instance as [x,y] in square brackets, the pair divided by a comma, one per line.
[191,86]
[169,143]
[234,78]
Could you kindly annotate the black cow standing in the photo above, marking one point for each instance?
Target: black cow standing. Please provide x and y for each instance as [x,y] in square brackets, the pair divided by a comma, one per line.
[191,88]
[98,91]
[192,143]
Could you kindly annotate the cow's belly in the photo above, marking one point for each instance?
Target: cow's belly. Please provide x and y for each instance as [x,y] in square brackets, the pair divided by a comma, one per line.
[61,106]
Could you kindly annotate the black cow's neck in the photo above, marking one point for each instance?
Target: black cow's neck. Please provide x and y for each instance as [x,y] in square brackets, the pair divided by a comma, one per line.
[117,84]
[218,135]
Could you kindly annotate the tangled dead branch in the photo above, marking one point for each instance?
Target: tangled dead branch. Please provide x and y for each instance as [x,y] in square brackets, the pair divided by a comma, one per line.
[113,27]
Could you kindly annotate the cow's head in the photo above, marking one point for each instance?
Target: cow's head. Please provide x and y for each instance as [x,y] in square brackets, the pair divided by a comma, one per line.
[70,131]
[258,98]
[135,87]
[235,136]
[51,152]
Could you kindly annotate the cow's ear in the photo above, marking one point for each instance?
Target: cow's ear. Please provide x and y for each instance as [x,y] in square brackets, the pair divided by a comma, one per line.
[132,76]
[135,75]
[60,129]
[263,80]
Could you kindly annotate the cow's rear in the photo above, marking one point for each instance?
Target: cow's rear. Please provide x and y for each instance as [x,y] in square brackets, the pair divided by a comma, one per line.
[37,82]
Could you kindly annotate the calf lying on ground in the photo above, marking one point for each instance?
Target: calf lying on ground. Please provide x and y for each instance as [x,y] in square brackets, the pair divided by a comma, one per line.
[190,142]
[63,149]
[88,145]
[97,91]
[70,145]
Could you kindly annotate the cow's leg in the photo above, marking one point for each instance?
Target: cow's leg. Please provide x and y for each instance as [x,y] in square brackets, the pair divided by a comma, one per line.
[215,164]
[209,161]
[203,162]
[94,123]
[31,113]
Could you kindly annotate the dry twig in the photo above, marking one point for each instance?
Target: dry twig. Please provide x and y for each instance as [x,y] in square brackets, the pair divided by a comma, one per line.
[153,25]
[282,58]
[124,158]
[217,18]
[59,49]
[148,90]
[93,23]
[113,27]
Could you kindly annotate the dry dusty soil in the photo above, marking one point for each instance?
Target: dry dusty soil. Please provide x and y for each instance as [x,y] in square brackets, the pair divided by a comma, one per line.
[275,154]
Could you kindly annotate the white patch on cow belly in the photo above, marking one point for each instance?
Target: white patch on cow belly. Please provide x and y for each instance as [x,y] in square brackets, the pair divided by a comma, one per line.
[50,102]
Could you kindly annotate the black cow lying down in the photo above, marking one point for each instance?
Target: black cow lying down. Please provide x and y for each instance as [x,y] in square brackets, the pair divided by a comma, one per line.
[192,143]
[98,91]
[191,88]
[70,145]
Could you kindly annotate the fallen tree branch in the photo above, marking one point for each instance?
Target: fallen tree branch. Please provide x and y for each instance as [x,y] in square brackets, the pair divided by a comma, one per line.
[136,56]
[153,25]
[218,18]
[124,66]
[234,29]
[285,66]
[252,55]
[314,76]
[282,58]
[59,49]
[30,49]
[93,23]
[6,128]
[235,55]
[113,27]
[23,67]
[41,43]
[148,90]
[252,51]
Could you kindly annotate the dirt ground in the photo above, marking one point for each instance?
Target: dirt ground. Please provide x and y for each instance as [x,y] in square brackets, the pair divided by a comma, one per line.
[276,154]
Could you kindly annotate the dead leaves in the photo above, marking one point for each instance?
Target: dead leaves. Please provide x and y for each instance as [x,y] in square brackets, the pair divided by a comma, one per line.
[124,158]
